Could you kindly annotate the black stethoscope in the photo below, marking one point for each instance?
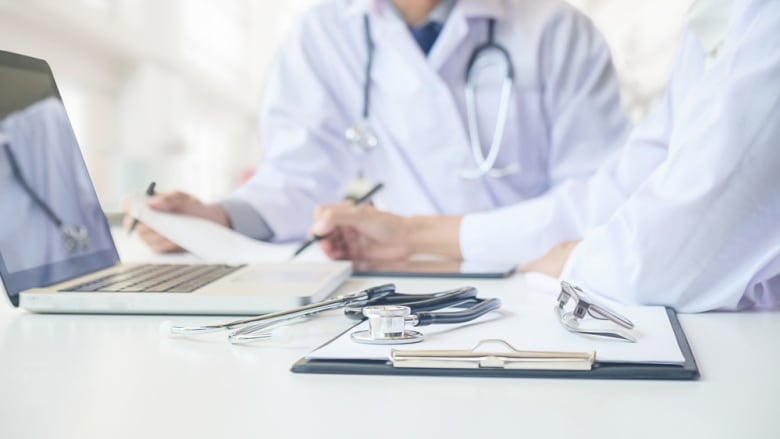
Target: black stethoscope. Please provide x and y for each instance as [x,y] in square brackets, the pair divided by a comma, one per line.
[75,238]
[388,312]
[362,138]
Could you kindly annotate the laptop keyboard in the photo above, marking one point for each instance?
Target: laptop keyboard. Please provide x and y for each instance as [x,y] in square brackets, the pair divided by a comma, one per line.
[158,278]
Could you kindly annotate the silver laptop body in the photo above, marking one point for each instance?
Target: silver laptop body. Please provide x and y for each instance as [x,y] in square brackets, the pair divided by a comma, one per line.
[56,250]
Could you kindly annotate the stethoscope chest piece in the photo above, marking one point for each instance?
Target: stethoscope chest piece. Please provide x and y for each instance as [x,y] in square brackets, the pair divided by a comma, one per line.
[361,137]
[387,325]
[75,238]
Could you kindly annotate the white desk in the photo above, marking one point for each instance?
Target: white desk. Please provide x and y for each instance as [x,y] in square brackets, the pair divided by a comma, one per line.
[115,376]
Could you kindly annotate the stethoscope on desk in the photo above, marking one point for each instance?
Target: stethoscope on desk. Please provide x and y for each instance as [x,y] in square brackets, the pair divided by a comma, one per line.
[75,238]
[387,311]
[362,138]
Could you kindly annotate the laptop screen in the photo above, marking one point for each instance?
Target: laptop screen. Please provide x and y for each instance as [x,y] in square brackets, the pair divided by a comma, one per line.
[52,227]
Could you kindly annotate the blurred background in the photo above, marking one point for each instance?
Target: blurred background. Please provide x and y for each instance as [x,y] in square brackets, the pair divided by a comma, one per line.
[170,90]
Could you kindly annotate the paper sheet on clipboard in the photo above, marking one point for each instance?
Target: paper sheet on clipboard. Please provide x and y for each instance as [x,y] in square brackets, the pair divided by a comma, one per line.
[533,328]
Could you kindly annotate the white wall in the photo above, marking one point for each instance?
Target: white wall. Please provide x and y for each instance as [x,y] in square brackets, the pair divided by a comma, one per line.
[643,36]
[168,90]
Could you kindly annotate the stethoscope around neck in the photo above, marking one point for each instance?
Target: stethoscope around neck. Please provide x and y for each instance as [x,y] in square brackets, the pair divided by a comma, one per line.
[362,138]
[75,238]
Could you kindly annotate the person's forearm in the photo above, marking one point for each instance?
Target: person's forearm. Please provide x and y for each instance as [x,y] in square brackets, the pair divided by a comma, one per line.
[438,235]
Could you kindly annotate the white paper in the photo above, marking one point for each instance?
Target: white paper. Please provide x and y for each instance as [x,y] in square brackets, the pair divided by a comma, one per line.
[212,242]
[530,328]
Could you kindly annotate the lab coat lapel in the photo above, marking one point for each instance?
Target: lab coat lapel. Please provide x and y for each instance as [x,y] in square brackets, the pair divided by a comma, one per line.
[456,29]
[399,63]
[402,75]
[450,39]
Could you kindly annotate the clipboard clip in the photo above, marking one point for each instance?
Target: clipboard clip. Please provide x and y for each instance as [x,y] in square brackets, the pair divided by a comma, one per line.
[511,358]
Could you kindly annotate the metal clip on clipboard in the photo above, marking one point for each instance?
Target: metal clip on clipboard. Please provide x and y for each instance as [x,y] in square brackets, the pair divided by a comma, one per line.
[474,359]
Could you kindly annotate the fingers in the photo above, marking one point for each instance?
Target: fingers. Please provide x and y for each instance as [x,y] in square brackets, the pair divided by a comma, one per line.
[333,245]
[178,203]
[358,246]
[156,241]
[353,244]
[343,243]
[364,232]
[327,218]
[174,202]
[127,222]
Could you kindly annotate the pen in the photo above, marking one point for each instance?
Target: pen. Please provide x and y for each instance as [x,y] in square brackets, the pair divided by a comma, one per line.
[362,200]
[149,193]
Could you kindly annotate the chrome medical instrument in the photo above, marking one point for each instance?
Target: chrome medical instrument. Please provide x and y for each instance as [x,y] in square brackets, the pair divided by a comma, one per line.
[75,238]
[387,323]
[362,138]
[571,317]
[258,328]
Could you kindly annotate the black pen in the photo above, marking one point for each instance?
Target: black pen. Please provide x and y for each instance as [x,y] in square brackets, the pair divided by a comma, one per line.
[149,193]
[362,200]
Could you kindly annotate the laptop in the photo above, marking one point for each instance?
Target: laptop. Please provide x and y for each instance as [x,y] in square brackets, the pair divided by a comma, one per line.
[57,254]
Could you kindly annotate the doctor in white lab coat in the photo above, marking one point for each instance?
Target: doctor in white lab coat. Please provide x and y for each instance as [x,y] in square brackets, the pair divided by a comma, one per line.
[686,215]
[564,114]
[39,140]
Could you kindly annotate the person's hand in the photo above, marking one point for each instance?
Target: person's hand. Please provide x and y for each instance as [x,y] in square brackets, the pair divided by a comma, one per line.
[361,233]
[179,203]
[552,263]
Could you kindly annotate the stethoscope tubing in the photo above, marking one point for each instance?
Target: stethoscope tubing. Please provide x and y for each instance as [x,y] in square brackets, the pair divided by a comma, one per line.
[484,164]
[17,173]
[369,66]
[423,305]
[482,307]
[243,326]
[416,302]
[490,44]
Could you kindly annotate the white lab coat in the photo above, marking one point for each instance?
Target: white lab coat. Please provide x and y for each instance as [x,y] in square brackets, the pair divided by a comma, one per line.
[42,142]
[688,214]
[565,115]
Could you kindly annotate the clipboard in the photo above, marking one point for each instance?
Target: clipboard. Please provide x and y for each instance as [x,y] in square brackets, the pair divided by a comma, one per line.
[517,364]
[432,269]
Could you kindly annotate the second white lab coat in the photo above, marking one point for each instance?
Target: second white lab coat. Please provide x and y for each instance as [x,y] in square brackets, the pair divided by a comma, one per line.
[688,214]
[565,115]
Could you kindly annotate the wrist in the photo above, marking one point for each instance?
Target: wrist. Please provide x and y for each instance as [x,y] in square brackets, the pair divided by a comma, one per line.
[439,235]
[216,213]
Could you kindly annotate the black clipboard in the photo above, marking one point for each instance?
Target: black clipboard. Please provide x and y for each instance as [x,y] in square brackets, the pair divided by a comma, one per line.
[688,370]
[431,269]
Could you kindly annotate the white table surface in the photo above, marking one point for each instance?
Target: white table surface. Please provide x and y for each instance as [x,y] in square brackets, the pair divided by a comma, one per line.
[98,376]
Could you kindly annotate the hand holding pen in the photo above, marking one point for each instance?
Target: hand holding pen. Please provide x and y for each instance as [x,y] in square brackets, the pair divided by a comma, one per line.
[366,234]
[179,203]
[360,201]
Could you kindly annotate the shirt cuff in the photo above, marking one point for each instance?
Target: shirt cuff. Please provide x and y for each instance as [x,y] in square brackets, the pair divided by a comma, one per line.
[246,220]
